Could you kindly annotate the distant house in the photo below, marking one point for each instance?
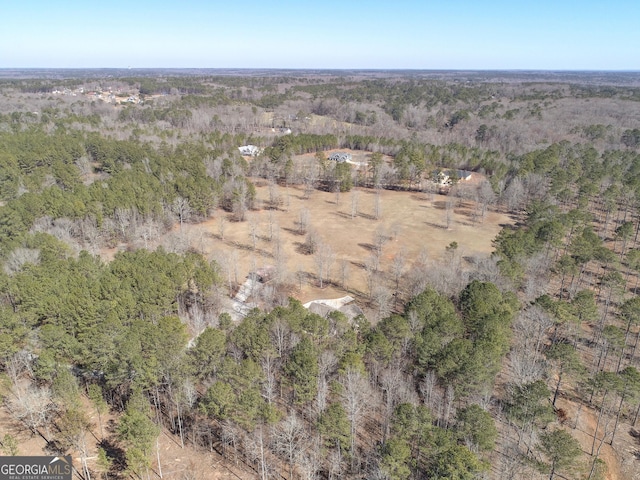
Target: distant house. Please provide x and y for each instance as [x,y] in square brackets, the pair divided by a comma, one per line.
[340,157]
[249,150]
[448,177]
[344,305]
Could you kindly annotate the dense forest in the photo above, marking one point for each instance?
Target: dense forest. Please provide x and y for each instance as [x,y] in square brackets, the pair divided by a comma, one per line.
[115,334]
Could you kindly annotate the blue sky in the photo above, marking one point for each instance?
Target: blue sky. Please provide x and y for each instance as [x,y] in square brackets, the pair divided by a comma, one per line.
[412,34]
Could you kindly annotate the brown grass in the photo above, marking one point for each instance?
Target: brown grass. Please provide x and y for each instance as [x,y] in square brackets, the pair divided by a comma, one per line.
[419,225]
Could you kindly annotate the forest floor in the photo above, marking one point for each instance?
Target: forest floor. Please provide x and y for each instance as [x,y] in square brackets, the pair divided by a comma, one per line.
[621,458]
[176,463]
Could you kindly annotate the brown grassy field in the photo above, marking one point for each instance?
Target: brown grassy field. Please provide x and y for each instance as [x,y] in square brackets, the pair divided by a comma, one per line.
[413,221]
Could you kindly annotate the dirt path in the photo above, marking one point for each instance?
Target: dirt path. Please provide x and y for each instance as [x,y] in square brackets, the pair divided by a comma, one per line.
[621,463]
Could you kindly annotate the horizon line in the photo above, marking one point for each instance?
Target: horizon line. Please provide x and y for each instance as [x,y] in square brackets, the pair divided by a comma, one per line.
[455,69]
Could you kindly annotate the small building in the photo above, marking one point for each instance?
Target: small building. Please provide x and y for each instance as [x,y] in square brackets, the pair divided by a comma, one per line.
[249,150]
[345,305]
[448,177]
[340,157]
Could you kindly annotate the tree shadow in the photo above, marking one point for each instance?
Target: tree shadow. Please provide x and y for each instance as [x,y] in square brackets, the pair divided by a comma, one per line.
[368,247]
[294,231]
[343,215]
[357,264]
[436,225]
[116,455]
[303,248]
[463,212]
[249,248]
[54,447]
[420,198]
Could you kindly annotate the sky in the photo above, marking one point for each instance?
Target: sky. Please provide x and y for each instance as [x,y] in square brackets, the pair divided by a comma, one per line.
[347,34]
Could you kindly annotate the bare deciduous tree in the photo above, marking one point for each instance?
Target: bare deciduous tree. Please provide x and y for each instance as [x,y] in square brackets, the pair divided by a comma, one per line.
[272,225]
[395,230]
[380,239]
[89,233]
[448,405]
[182,209]
[344,272]
[537,268]
[535,186]
[426,387]
[514,195]
[448,211]
[239,202]
[222,222]
[123,218]
[356,395]
[269,385]
[311,242]
[85,167]
[377,205]
[176,242]
[531,327]
[289,438]
[303,221]
[148,231]
[486,197]
[355,195]
[323,259]
[381,298]
[429,188]
[397,270]
[310,179]
[253,230]
[33,406]
[275,199]
[280,333]
[391,381]
[256,447]
[327,362]
[310,460]
[19,257]
[213,168]
[322,393]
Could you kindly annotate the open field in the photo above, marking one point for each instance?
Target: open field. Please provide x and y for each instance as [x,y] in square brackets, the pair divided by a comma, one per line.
[412,221]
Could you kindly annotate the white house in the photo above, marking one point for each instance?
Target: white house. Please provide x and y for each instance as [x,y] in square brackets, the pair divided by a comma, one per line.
[249,150]
[340,157]
[446,177]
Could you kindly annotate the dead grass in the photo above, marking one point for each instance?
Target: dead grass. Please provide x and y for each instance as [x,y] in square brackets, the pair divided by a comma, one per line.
[412,222]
